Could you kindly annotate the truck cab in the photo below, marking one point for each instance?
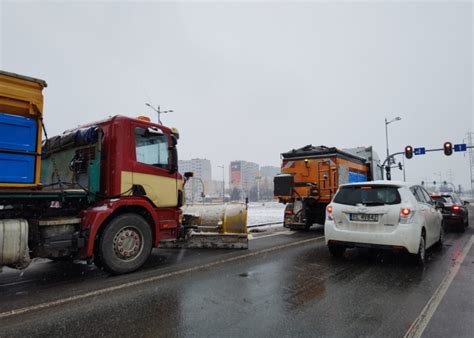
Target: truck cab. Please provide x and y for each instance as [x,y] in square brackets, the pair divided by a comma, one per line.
[126,166]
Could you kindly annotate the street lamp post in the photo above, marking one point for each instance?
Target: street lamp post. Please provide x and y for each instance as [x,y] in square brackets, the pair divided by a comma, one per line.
[404,175]
[398,118]
[440,175]
[203,195]
[258,178]
[159,112]
[193,192]
[223,182]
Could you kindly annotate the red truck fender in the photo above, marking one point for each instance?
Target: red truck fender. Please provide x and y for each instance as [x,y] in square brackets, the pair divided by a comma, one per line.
[96,217]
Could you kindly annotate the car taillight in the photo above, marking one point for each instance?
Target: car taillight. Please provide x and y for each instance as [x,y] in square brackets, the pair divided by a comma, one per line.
[405,212]
[456,208]
[406,216]
[289,212]
[329,210]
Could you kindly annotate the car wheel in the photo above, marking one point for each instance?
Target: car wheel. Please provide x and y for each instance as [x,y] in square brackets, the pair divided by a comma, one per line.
[337,250]
[125,244]
[440,242]
[420,257]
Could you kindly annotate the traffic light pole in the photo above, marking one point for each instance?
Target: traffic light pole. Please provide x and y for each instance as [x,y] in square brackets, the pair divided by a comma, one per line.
[387,160]
[388,168]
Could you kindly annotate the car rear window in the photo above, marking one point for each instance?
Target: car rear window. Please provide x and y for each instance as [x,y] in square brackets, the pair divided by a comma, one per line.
[444,199]
[368,195]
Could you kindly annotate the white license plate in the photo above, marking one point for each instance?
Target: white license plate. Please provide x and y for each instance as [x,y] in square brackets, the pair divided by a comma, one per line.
[364,217]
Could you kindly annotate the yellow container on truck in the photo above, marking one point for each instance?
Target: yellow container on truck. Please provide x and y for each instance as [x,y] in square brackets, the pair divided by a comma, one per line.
[21,111]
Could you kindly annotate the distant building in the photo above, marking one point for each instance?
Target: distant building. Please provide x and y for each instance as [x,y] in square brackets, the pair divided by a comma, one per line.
[216,189]
[202,170]
[243,176]
[269,171]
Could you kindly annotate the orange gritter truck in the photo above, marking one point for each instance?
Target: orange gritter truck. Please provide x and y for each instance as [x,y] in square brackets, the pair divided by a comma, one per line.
[310,176]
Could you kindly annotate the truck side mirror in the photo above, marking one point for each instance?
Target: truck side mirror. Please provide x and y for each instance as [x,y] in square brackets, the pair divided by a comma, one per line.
[174,140]
[188,175]
[173,166]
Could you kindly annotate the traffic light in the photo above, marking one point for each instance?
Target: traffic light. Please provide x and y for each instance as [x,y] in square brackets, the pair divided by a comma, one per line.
[388,173]
[408,151]
[448,148]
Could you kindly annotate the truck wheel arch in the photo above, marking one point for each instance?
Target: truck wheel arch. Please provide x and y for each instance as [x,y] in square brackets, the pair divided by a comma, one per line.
[128,209]
[96,219]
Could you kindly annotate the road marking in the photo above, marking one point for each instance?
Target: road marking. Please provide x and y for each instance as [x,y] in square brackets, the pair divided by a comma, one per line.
[275,234]
[17,283]
[66,300]
[422,321]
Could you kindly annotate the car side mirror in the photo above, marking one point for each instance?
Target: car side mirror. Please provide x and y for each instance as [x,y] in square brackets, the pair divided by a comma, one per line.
[466,202]
[439,205]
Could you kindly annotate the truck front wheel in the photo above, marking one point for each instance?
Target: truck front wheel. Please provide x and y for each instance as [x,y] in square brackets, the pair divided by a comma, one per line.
[125,244]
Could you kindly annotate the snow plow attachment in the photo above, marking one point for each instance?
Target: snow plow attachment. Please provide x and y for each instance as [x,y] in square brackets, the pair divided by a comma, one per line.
[220,226]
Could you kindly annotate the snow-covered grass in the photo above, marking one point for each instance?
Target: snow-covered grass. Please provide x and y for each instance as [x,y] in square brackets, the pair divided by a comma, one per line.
[265,212]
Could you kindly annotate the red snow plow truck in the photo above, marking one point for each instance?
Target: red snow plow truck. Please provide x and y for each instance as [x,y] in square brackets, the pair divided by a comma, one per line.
[107,192]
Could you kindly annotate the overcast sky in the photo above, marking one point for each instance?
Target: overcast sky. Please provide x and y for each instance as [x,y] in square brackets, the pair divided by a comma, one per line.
[252,80]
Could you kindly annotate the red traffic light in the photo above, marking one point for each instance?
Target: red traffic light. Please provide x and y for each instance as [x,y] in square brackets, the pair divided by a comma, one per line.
[408,151]
[448,148]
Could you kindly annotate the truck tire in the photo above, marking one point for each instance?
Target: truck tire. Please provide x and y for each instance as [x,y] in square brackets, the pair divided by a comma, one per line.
[125,244]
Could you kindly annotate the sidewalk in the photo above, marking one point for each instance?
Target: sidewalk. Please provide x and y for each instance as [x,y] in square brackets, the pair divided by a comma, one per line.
[454,316]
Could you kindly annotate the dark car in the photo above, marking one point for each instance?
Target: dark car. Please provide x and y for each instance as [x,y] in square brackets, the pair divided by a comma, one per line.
[454,210]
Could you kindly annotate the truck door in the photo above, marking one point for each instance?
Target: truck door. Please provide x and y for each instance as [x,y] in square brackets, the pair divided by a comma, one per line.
[154,171]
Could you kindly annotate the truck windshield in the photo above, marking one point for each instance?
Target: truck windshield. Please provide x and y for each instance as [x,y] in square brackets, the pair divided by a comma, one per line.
[152,149]
[368,195]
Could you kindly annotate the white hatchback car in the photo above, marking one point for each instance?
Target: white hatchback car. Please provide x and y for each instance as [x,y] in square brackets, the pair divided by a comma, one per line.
[383,214]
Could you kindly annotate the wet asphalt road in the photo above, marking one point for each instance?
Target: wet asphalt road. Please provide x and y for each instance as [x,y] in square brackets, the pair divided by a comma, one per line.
[287,284]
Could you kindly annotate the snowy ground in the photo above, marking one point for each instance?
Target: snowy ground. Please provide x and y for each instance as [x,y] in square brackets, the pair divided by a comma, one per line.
[265,212]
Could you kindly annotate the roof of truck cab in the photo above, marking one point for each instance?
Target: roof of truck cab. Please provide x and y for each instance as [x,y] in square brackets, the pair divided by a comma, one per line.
[111,119]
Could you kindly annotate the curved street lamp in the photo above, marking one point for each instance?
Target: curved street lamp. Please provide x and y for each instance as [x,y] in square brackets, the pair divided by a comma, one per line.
[223,182]
[398,118]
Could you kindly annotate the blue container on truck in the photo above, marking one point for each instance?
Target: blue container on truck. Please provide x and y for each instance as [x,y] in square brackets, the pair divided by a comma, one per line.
[18,137]
[21,110]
